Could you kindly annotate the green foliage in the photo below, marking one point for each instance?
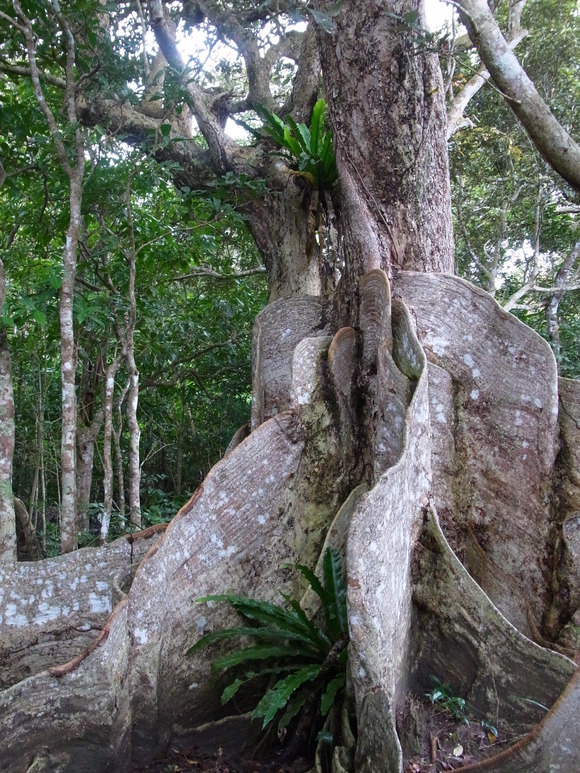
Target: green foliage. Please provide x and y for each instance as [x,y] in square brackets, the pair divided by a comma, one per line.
[514,217]
[456,707]
[444,696]
[303,661]
[311,148]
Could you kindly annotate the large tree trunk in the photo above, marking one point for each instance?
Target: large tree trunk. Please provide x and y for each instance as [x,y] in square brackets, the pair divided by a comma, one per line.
[423,430]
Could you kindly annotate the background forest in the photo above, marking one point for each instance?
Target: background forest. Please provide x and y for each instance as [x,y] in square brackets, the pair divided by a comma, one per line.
[168,279]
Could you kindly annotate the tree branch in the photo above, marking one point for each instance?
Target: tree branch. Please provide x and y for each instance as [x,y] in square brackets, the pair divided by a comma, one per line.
[550,138]
[209,272]
[455,119]
[219,144]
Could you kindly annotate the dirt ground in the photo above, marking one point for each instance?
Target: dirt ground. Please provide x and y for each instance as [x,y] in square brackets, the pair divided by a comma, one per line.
[197,760]
[448,744]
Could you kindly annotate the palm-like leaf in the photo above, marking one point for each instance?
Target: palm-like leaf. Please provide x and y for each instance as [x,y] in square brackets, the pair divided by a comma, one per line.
[277,697]
[310,147]
[336,590]
[286,643]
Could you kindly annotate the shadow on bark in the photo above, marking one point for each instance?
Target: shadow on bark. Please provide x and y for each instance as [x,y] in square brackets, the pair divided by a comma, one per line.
[447,406]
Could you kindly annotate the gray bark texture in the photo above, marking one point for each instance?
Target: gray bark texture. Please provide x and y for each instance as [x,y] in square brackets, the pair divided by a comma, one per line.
[7,517]
[414,608]
[418,432]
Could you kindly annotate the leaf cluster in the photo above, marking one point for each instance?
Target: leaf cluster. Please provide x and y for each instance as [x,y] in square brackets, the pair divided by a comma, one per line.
[303,661]
[310,147]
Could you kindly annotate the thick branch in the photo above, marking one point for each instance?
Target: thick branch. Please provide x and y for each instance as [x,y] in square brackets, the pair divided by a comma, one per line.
[550,138]
[455,119]
[209,272]
[20,69]
[220,145]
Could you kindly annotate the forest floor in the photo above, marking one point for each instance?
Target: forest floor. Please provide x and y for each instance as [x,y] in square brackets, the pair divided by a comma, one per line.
[449,744]
[434,738]
[200,760]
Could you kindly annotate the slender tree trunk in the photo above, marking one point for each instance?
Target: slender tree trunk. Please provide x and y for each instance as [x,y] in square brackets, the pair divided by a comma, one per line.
[86,439]
[107,456]
[117,430]
[7,518]
[134,439]
[133,394]
[30,549]
[74,172]
[68,519]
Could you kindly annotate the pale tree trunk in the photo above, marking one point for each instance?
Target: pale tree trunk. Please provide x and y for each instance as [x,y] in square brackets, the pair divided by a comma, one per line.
[133,393]
[117,429]
[74,172]
[68,513]
[108,402]
[134,438]
[7,518]
[86,439]
[89,423]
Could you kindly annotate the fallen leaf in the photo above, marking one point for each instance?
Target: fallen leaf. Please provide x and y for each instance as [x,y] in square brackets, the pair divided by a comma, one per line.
[458,751]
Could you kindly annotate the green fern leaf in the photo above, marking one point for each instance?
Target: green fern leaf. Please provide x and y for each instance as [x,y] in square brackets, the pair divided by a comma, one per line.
[293,707]
[317,637]
[277,697]
[261,634]
[336,589]
[317,128]
[302,134]
[329,695]
[263,612]
[250,654]
[314,582]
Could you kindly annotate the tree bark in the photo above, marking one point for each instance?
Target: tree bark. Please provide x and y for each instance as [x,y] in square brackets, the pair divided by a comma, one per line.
[405,431]
[7,517]
[108,401]
[395,204]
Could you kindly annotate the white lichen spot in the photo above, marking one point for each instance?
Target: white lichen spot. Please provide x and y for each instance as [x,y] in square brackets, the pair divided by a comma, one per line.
[518,422]
[538,403]
[476,373]
[141,635]
[439,345]
[261,519]
[14,618]
[525,444]
[468,360]
[193,686]
[99,604]
[46,613]
[475,394]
